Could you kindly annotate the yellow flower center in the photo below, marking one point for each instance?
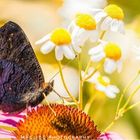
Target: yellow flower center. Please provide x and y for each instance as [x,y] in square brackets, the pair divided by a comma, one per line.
[102,80]
[85,21]
[60,36]
[114,11]
[112,51]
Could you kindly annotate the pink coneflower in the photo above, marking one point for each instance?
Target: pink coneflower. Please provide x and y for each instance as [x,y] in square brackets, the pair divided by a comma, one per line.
[8,124]
[110,136]
[68,123]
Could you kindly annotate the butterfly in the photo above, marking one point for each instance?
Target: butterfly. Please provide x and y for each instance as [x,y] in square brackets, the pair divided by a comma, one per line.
[21,79]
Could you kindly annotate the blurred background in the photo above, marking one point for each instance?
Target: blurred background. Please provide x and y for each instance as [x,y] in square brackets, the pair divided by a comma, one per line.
[39,17]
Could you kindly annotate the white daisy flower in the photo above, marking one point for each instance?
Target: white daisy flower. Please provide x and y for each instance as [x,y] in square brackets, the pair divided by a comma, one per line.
[71,7]
[82,28]
[110,18]
[102,84]
[60,40]
[112,54]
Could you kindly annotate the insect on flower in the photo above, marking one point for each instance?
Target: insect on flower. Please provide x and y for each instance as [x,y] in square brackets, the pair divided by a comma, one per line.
[21,79]
[69,123]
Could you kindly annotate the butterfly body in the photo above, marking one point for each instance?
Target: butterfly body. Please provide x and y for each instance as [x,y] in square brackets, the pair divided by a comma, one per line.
[21,78]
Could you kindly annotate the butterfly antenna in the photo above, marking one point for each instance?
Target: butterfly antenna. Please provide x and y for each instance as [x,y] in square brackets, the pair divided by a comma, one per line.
[61,97]
[51,80]
[52,89]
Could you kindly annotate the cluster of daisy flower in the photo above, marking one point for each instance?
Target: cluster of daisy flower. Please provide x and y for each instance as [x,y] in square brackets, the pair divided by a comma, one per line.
[69,122]
[91,27]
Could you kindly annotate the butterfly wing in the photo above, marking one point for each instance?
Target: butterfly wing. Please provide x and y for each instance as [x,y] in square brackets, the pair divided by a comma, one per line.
[17,88]
[15,47]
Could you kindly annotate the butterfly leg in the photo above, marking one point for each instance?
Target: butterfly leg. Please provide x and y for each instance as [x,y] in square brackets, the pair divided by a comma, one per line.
[45,97]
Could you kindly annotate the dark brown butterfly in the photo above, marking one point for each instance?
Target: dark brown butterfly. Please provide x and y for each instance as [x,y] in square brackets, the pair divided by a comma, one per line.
[21,78]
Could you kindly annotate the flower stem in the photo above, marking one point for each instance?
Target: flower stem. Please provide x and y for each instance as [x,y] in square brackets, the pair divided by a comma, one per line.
[124,91]
[120,111]
[132,106]
[88,65]
[81,83]
[102,34]
[95,70]
[109,126]
[88,105]
[64,84]
[130,97]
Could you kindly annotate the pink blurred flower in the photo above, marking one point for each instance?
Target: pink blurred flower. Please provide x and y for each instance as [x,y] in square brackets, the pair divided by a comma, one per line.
[110,136]
[9,121]
[5,134]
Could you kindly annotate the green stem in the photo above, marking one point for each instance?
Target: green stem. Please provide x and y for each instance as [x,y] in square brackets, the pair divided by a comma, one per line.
[88,65]
[109,126]
[124,91]
[130,97]
[102,34]
[81,83]
[88,105]
[132,106]
[69,103]
[123,110]
[65,86]
[95,70]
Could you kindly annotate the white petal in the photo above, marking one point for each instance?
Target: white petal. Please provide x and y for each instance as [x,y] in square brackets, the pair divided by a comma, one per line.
[95,11]
[121,28]
[71,27]
[94,78]
[81,37]
[102,42]
[75,31]
[78,36]
[109,66]
[77,48]
[100,87]
[94,35]
[98,57]
[136,49]
[114,25]
[113,88]
[47,47]
[81,32]
[42,40]
[59,53]
[119,65]
[68,52]
[95,50]
[106,23]
[99,16]
[109,93]
[106,79]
